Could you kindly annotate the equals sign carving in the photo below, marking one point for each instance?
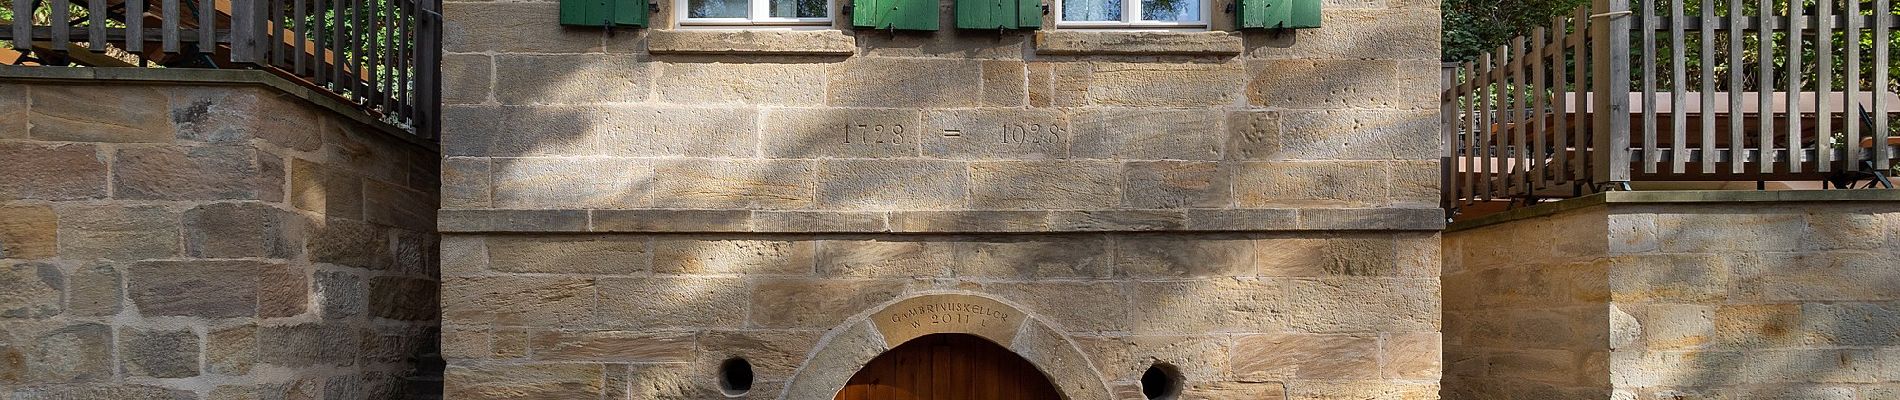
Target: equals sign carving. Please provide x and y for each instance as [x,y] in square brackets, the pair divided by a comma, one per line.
[950,133]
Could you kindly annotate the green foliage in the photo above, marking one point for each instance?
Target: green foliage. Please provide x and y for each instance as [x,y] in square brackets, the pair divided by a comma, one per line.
[1473,27]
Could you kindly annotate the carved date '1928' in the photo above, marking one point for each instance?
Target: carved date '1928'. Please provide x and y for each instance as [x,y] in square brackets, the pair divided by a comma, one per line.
[1019,133]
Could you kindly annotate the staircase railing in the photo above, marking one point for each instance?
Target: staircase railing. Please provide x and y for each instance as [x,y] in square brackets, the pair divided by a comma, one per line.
[381,55]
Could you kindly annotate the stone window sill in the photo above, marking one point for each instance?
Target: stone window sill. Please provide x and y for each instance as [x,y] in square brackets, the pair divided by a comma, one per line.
[1137,43]
[786,42]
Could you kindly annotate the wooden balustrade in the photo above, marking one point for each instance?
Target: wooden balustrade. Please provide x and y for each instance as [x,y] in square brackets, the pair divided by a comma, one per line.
[1627,91]
[382,55]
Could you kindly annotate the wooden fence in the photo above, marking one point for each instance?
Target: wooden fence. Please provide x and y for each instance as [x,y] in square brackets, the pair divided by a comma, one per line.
[382,55]
[1623,91]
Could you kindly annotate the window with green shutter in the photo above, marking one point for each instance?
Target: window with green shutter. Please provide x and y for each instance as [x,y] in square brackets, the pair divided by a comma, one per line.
[918,15]
[1278,14]
[604,13]
[998,14]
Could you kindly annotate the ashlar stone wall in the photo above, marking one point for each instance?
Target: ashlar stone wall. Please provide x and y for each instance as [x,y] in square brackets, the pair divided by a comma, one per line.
[1752,296]
[622,213]
[175,240]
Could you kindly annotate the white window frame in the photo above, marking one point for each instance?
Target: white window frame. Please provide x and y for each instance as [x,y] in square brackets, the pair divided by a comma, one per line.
[758,14]
[1131,19]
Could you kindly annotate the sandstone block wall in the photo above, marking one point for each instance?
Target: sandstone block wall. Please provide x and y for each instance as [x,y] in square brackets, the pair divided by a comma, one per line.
[1242,316]
[623,213]
[1740,300]
[189,241]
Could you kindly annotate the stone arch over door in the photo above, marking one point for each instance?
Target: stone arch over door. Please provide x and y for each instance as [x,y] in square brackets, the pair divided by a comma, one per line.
[863,337]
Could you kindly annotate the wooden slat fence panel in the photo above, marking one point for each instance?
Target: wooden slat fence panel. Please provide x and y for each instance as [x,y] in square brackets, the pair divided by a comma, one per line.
[1883,32]
[1793,113]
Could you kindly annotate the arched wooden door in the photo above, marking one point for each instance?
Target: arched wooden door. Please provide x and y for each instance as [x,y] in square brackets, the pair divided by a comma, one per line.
[949,367]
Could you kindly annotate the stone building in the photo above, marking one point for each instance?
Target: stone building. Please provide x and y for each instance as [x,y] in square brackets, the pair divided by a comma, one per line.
[812,200]
[1234,214]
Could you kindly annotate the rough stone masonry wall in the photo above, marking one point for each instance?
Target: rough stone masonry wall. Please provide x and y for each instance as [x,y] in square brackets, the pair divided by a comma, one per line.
[1784,300]
[191,241]
[622,213]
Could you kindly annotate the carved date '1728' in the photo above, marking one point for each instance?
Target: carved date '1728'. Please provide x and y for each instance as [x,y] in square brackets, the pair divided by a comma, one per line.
[874,134]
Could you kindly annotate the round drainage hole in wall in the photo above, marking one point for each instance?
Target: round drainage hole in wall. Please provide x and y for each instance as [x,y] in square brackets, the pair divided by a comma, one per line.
[1161,382]
[735,376]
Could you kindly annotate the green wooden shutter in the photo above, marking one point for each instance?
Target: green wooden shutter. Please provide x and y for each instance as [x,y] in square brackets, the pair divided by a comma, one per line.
[600,13]
[1278,14]
[920,15]
[998,14]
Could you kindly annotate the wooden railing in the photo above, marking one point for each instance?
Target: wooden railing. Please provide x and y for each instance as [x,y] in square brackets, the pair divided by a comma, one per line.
[1629,91]
[381,55]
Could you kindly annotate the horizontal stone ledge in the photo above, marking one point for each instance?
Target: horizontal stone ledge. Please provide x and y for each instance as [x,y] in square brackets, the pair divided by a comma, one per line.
[1683,197]
[751,42]
[211,77]
[938,222]
[1059,42]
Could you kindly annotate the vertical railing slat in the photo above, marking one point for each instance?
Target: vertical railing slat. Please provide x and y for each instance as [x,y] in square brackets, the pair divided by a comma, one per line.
[1560,108]
[1473,82]
[244,32]
[339,65]
[1793,65]
[1852,93]
[1650,156]
[1765,53]
[359,55]
[1514,176]
[1706,119]
[1610,73]
[96,25]
[428,66]
[1883,32]
[1580,135]
[299,52]
[1447,136]
[169,25]
[274,39]
[1738,142]
[23,27]
[1488,107]
[1539,99]
[1678,93]
[321,70]
[58,15]
[135,27]
[1823,88]
[207,27]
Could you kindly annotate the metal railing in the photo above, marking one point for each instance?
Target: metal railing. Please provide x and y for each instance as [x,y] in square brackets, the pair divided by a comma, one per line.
[381,55]
[1625,91]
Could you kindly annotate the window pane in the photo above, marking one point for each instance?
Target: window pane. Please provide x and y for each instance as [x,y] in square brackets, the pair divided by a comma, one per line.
[797,8]
[1091,10]
[716,8]
[1171,10]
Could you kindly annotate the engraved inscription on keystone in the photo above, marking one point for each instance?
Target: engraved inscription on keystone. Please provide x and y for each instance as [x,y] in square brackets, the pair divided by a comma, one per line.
[874,134]
[948,313]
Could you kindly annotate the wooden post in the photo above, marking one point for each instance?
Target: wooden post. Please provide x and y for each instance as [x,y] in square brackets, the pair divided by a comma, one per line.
[428,62]
[1610,69]
[246,43]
